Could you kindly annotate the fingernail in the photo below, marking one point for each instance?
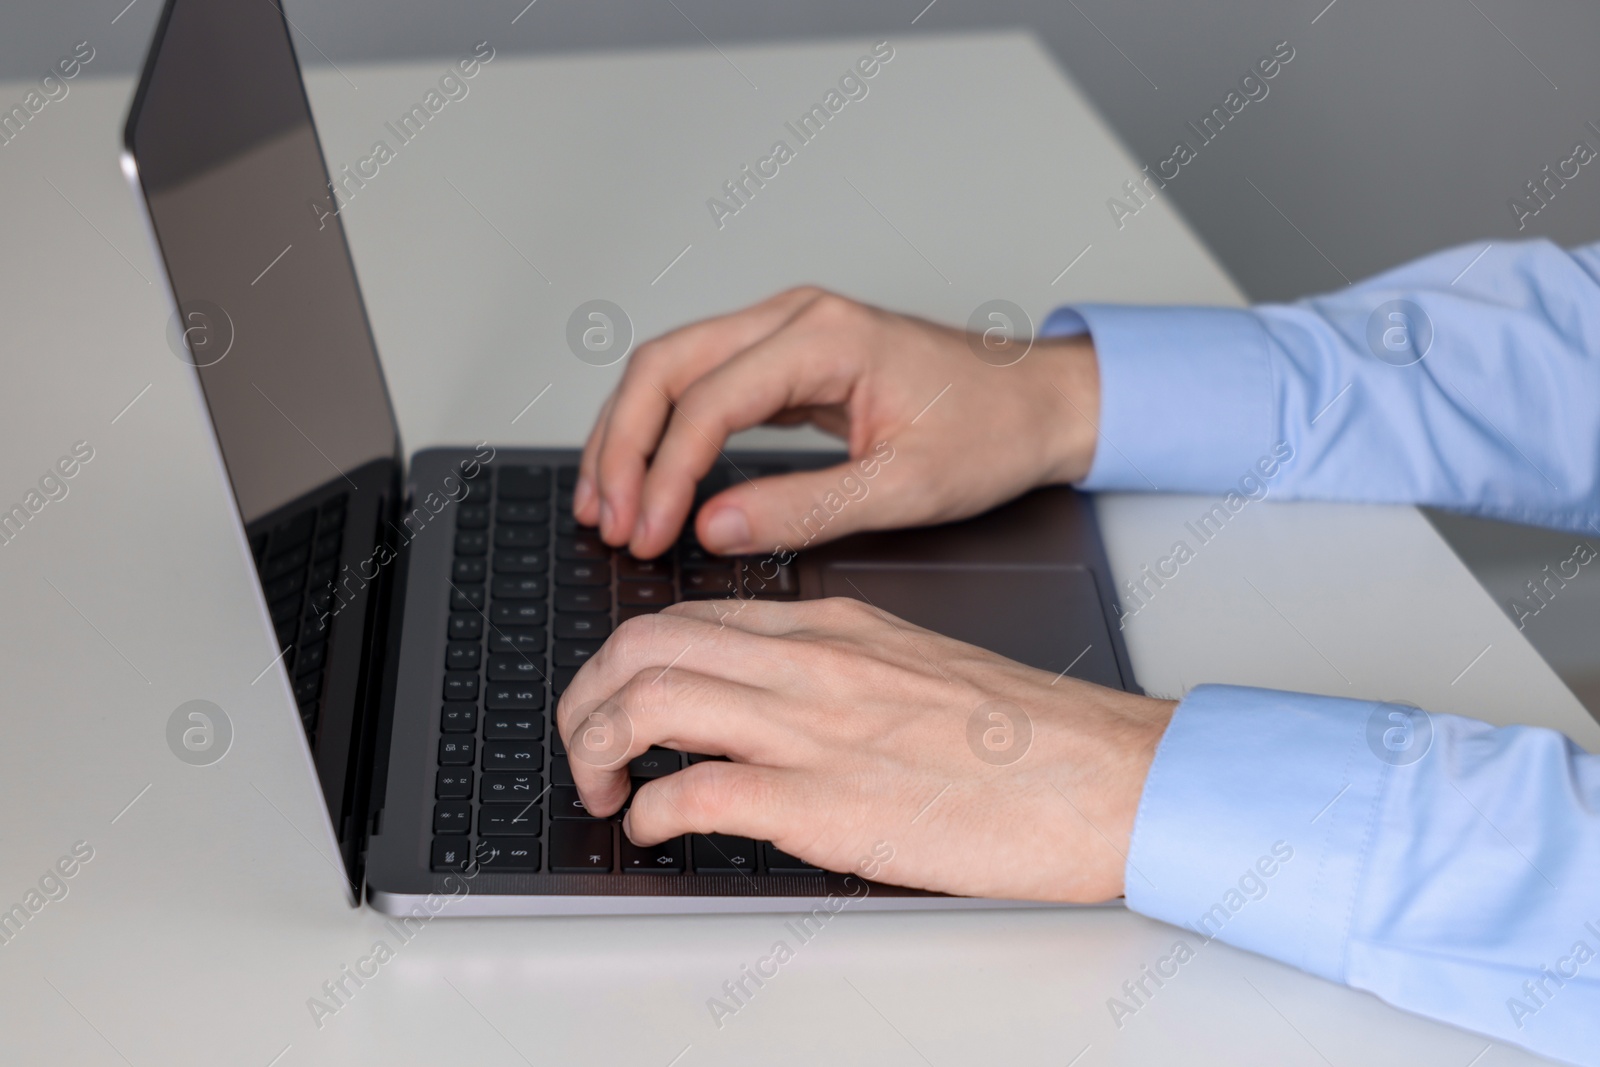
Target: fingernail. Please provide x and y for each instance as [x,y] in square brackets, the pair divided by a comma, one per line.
[605,519]
[582,493]
[728,529]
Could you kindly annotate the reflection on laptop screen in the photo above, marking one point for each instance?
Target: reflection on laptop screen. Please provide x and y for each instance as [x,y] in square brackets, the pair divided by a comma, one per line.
[268,304]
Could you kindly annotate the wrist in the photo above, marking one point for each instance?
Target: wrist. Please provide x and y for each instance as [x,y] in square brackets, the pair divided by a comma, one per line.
[1066,383]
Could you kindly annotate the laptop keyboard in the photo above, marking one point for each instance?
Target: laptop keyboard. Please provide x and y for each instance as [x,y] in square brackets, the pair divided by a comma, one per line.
[534,595]
[297,561]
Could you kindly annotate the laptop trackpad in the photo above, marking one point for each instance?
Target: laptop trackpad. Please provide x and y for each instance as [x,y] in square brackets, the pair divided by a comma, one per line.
[1045,615]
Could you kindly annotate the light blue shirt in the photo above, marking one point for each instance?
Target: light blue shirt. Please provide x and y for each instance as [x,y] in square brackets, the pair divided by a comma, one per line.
[1450,867]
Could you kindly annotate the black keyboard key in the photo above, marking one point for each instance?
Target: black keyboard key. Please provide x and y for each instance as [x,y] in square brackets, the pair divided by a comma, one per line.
[521,561]
[513,696]
[296,531]
[311,657]
[470,569]
[560,771]
[520,587]
[452,817]
[630,569]
[566,525]
[327,545]
[462,655]
[574,653]
[521,536]
[633,611]
[508,854]
[567,477]
[528,640]
[582,627]
[308,688]
[656,763]
[522,511]
[644,594]
[587,573]
[583,599]
[510,820]
[524,483]
[467,597]
[453,785]
[472,542]
[285,629]
[258,546]
[509,726]
[778,861]
[715,481]
[693,555]
[456,751]
[580,847]
[722,854]
[466,626]
[709,583]
[285,609]
[515,668]
[321,575]
[451,853]
[582,546]
[472,516]
[332,510]
[523,756]
[667,857]
[318,603]
[459,719]
[460,685]
[518,613]
[288,585]
[566,804]
[508,787]
[561,678]
[766,580]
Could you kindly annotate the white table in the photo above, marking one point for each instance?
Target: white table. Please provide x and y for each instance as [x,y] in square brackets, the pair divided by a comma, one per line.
[206,918]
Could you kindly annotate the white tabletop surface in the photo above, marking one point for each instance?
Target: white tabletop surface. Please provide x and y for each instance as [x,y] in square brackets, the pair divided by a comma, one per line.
[211,910]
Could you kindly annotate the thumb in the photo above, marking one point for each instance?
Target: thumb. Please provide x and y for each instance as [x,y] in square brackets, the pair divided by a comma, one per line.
[795,510]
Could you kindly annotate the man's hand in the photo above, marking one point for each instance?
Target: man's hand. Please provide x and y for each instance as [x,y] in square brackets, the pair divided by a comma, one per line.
[856,737]
[966,435]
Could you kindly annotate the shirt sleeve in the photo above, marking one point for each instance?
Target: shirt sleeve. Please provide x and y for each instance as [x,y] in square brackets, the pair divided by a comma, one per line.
[1448,866]
[1469,380]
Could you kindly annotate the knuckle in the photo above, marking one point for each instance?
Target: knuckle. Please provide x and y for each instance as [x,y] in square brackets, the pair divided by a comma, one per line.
[647,359]
[831,309]
[713,789]
[803,292]
[630,643]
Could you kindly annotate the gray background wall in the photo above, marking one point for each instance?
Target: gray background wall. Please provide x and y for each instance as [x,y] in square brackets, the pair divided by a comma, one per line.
[1397,129]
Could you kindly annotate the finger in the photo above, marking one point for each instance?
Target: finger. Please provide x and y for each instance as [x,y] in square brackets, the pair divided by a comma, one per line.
[656,374]
[795,511]
[715,797]
[769,618]
[585,501]
[685,711]
[793,368]
[662,644]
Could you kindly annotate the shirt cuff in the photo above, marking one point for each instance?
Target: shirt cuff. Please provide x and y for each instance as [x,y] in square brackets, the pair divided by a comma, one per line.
[1186,399]
[1256,820]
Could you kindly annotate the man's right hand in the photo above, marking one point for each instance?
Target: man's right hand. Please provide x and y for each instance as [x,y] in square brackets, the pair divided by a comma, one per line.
[965,435]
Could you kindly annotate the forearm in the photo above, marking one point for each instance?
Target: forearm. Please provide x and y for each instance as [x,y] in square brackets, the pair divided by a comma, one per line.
[1435,861]
[1500,416]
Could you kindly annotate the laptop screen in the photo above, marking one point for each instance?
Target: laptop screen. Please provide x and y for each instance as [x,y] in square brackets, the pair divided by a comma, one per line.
[268,305]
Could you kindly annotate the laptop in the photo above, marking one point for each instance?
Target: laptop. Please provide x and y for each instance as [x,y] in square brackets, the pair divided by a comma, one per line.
[432,608]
